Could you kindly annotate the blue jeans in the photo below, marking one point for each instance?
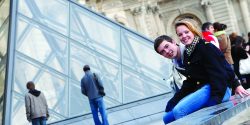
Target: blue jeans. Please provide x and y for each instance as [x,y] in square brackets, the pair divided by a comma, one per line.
[95,105]
[192,103]
[39,121]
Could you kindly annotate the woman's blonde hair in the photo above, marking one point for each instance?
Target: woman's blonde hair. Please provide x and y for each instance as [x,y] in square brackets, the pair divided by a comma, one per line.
[190,26]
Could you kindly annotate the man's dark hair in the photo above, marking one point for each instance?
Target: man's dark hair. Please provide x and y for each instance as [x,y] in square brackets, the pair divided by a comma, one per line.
[160,39]
[86,68]
[205,26]
[219,26]
[30,85]
[248,34]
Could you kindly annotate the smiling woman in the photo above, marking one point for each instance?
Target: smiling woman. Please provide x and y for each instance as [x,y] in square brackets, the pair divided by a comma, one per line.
[186,31]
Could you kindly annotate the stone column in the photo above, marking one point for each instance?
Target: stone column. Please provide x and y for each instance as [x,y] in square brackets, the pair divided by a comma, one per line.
[151,20]
[208,9]
[245,14]
[148,21]
[159,22]
[233,18]
[140,22]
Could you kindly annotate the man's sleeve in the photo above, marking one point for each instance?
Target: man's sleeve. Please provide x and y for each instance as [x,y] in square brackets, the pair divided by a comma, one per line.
[27,106]
[214,65]
[46,105]
[83,88]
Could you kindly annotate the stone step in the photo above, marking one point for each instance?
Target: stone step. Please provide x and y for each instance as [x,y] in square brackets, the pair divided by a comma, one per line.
[243,118]
[216,115]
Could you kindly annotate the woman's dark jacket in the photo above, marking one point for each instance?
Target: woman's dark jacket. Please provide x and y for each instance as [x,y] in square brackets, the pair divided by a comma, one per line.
[206,65]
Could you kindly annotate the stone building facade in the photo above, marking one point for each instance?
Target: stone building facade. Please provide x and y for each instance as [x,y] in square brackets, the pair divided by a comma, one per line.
[155,17]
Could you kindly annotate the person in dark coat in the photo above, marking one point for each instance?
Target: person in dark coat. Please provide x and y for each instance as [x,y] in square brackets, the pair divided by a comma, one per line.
[90,87]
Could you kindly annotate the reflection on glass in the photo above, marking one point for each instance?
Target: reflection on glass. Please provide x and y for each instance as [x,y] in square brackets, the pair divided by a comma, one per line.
[138,86]
[143,57]
[80,56]
[78,104]
[143,75]
[4,11]
[18,114]
[56,39]
[52,13]
[42,45]
[4,28]
[108,70]
[98,34]
[112,81]
[53,86]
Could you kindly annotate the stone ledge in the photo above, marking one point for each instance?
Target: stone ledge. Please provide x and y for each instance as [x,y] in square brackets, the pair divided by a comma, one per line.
[215,115]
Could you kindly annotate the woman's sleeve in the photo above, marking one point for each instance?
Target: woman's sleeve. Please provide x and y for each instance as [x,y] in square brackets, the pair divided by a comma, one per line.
[214,63]
[223,42]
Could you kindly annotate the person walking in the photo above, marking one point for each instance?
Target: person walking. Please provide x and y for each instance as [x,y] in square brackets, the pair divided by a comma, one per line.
[36,105]
[92,87]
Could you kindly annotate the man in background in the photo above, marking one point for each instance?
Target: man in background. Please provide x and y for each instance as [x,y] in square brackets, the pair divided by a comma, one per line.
[92,87]
[36,105]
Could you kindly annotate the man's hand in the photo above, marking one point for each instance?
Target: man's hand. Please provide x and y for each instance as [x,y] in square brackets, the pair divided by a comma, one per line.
[47,116]
[241,91]
[29,119]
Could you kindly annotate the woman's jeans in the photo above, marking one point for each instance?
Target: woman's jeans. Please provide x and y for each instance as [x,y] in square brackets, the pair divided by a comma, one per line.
[39,121]
[192,103]
[95,105]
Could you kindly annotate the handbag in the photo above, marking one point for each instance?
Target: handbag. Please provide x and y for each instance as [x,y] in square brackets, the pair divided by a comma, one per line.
[99,87]
[244,65]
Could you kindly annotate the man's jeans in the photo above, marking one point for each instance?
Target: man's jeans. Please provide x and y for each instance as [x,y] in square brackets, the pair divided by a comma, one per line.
[95,105]
[39,121]
[192,103]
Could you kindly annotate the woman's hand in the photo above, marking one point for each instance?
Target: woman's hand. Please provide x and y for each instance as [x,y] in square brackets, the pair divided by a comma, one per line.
[241,91]
[247,48]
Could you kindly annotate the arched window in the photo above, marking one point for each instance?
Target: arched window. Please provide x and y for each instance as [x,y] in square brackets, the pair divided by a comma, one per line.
[194,19]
